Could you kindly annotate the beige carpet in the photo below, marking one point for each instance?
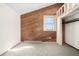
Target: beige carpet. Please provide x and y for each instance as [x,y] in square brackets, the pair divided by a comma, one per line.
[41,49]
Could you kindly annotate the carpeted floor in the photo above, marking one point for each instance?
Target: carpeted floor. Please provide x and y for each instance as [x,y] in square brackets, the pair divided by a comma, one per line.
[41,49]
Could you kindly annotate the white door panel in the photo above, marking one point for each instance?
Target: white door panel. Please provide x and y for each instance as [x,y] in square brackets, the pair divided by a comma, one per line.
[72,34]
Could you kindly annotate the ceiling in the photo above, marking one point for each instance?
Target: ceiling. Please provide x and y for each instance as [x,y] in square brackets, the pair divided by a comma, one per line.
[22,8]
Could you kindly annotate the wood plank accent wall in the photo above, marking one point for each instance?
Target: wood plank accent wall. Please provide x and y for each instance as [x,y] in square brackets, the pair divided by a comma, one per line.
[32,24]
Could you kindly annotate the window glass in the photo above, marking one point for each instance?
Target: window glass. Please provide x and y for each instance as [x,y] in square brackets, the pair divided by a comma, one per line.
[49,23]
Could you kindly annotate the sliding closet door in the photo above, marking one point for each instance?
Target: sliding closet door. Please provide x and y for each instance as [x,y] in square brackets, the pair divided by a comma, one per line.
[69,33]
[76,34]
[72,34]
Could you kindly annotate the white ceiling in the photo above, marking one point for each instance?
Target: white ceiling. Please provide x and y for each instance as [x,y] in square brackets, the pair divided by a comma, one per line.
[22,8]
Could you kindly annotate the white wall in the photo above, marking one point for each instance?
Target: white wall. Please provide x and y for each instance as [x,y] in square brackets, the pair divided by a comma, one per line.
[9,28]
[59,31]
[72,31]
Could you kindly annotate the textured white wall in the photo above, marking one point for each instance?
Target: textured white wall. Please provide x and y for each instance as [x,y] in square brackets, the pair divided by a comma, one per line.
[9,28]
[72,31]
[23,8]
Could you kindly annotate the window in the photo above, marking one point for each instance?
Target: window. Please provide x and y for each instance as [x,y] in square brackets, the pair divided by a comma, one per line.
[49,23]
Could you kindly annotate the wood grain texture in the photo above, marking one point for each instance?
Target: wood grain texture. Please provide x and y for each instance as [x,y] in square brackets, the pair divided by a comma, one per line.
[32,24]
